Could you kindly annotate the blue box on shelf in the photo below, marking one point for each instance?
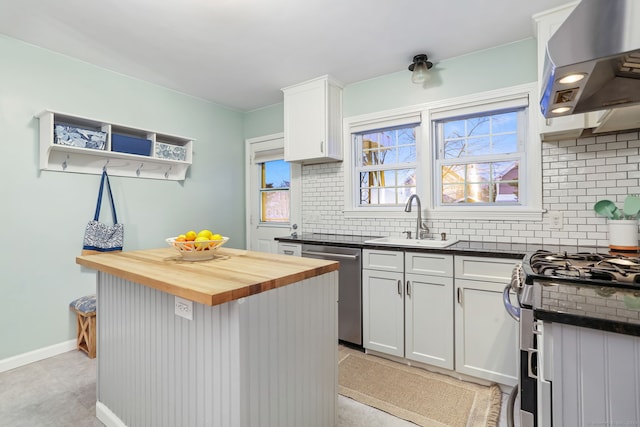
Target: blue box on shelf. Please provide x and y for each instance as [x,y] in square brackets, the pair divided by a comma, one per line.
[130,144]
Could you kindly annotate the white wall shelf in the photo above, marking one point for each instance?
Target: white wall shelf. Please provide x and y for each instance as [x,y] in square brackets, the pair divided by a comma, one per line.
[67,158]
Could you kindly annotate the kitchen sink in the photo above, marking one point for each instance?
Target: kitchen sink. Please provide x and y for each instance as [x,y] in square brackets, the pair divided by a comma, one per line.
[414,243]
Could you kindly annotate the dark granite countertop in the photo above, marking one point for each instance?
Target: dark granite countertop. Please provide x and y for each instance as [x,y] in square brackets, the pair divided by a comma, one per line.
[463,247]
[606,308]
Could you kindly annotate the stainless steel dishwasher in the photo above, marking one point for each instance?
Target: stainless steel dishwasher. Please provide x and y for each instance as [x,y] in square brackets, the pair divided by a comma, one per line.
[349,288]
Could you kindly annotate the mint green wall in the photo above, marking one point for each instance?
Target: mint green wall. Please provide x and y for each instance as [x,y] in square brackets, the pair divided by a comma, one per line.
[264,121]
[502,66]
[44,213]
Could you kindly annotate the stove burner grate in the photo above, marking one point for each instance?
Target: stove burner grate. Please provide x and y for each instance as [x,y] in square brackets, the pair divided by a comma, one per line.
[586,266]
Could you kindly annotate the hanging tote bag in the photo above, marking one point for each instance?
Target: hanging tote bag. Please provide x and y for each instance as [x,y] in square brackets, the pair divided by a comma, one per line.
[100,237]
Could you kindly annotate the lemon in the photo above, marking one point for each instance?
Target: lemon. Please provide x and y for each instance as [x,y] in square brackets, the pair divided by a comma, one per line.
[205,233]
[201,239]
[216,237]
[190,235]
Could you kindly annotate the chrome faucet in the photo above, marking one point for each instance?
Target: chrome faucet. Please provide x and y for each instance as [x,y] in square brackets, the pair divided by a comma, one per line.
[421,230]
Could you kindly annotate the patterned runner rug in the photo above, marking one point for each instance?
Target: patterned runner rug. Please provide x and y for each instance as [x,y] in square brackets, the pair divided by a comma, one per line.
[422,397]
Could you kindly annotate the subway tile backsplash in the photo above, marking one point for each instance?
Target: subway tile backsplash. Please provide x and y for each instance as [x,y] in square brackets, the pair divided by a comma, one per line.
[575,175]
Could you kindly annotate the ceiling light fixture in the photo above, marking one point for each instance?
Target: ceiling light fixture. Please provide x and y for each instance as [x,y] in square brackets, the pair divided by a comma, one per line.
[420,69]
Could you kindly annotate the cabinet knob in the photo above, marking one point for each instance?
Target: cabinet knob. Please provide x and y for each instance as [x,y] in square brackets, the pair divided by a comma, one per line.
[408,288]
[399,287]
[322,147]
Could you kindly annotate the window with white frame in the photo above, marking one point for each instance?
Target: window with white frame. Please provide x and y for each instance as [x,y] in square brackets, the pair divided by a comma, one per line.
[478,157]
[385,165]
[275,179]
[475,156]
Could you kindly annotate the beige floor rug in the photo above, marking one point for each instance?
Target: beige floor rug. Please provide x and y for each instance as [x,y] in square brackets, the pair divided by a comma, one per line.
[416,395]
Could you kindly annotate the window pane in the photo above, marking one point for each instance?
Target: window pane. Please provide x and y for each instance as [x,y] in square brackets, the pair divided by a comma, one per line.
[454,129]
[478,172]
[407,154]
[505,122]
[478,126]
[276,174]
[453,174]
[275,206]
[503,144]
[478,193]
[453,149]
[507,192]
[407,177]
[452,193]
[505,171]
[478,146]
[369,196]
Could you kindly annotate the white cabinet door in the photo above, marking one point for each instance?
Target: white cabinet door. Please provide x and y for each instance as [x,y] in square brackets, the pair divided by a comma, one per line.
[486,338]
[383,312]
[429,319]
[595,376]
[304,121]
[313,121]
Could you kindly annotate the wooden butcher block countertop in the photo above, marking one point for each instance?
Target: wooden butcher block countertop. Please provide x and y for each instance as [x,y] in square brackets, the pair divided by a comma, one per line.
[233,274]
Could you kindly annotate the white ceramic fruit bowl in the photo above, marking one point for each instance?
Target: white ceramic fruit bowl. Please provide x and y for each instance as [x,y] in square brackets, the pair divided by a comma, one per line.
[197,251]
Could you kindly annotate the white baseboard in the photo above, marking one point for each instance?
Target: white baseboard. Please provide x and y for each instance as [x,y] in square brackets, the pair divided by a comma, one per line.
[36,355]
[108,418]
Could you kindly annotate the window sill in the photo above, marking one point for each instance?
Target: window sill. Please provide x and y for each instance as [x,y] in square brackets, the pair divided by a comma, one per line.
[453,214]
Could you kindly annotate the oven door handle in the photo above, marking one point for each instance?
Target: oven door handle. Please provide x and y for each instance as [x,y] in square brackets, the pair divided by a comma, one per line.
[511,309]
[531,353]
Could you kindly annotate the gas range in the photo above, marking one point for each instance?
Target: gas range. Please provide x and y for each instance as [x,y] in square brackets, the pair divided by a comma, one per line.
[584,267]
[585,285]
[586,289]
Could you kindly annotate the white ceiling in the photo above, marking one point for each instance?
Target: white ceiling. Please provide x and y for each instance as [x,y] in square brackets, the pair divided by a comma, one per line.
[240,53]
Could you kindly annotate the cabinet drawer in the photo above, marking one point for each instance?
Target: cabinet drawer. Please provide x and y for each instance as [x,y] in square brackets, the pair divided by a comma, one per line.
[485,269]
[427,263]
[383,260]
[290,249]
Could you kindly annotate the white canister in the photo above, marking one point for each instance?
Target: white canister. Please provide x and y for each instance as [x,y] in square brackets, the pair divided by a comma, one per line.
[623,234]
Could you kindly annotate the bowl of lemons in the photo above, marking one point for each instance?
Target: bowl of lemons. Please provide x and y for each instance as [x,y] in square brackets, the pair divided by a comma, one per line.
[199,246]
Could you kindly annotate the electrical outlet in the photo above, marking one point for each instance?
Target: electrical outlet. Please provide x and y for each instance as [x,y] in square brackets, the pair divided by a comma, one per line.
[556,220]
[184,308]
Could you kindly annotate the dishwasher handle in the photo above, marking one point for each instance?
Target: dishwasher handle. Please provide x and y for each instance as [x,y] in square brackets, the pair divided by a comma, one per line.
[329,255]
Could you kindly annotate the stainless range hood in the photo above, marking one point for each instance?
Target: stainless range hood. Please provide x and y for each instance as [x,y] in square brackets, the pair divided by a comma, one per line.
[600,43]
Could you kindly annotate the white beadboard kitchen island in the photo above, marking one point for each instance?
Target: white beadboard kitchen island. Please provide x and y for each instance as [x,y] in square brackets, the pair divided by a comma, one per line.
[261,348]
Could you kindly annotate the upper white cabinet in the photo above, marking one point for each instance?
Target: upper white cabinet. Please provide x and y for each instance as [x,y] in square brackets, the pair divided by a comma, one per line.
[566,127]
[71,143]
[313,121]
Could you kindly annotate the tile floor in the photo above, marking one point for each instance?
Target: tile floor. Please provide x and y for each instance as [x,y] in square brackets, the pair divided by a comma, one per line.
[61,392]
